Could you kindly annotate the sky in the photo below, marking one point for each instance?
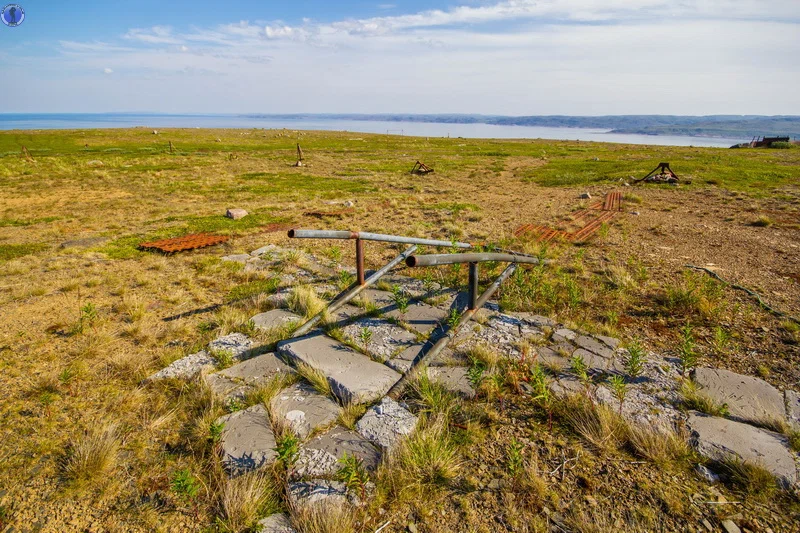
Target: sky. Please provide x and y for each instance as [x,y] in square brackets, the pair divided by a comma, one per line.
[509,57]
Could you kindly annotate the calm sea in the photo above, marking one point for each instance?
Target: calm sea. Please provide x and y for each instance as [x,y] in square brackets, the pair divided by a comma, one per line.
[424,129]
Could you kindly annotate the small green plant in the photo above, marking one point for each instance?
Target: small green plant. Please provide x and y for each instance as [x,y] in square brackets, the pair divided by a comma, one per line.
[686,350]
[578,366]
[234,404]
[353,475]
[515,461]
[619,388]
[335,254]
[224,358]
[215,431]
[722,339]
[67,376]
[88,315]
[365,336]
[184,485]
[541,392]
[453,317]
[475,373]
[400,299]
[693,398]
[47,398]
[287,447]
[344,279]
[428,283]
[634,362]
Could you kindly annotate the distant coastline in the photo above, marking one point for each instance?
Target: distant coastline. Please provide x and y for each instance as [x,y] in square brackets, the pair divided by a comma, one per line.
[713,131]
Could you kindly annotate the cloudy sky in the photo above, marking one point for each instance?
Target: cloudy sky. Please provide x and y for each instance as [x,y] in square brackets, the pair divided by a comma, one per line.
[513,57]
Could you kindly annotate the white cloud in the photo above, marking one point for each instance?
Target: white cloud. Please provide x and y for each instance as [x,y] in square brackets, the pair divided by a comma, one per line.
[509,57]
[107,71]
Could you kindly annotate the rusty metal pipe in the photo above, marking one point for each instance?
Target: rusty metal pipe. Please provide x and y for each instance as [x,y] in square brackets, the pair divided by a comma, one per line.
[473,285]
[452,259]
[397,389]
[365,236]
[355,291]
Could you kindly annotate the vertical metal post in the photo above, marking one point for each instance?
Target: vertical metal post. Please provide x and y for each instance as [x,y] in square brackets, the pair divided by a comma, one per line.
[473,285]
[360,261]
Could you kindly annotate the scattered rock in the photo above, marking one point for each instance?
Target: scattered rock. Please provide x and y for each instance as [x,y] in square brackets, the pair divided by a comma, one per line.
[386,423]
[155,132]
[793,408]
[236,214]
[277,318]
[248,442]
[315,491]
[319,457]
[387,339]
[94,163]
[237,258]
[225,387]
[304,409]
[720,439]
[268,250]
[453,378]
[730,527]
[186,368]
[237,344]
[749,399]
[276,523]
[257,370]
[705,473]
[585,196]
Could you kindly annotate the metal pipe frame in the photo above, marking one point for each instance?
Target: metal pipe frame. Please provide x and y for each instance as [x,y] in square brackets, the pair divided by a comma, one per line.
[365,236]
[453,259]
[353,292]
[397,389]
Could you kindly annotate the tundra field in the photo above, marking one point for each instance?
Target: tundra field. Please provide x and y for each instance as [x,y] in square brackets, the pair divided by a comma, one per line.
[86,444]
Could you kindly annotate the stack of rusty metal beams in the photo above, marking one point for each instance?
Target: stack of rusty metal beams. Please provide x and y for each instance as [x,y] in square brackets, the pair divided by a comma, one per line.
[593,217]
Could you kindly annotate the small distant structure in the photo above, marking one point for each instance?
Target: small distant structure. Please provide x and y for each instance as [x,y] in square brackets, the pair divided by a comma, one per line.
[763,142]
[421,168]
[299,156]
[665,175]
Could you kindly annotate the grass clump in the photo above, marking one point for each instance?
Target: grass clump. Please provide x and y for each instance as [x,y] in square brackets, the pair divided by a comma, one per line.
[246,498]
[304,301]
[92,457]
[762,221]
[13,251]
[428,459]
[694,398]
[316,378]
[434,397]
[751,478]
[324,518]
[661,447]
[598,425]
[253,288]
[350,414]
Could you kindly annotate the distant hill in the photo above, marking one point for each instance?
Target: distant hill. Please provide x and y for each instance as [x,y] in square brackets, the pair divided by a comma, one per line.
[744,126]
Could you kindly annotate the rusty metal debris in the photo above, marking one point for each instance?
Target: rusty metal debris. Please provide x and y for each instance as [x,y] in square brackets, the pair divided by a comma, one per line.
[593,218]
[299,156]
[335,214]
[421,168]
[666,175]
[182,244]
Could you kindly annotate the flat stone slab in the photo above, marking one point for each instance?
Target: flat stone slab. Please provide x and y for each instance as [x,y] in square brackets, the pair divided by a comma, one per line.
[387,339]
[564,334]
[793,408]
[595,362]
[748,398]
[304,409]
[86,242]
[319,457]
[276,523]
[402,361]
[317,491]
[237,258]
[238,345]
[453,378]
[720,439]
[550,357]
[354,377]
[247,440]
[386,424]
[277,318]
[347,311]
[186,368]
[611,342]
[226,388]
[538,321]
[236,213]
[593,345]
[257,370]
[267,251]
[382,299]
[420,316]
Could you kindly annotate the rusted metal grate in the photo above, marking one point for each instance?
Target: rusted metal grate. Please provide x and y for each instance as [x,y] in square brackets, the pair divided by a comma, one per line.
[597,214]
[187,242]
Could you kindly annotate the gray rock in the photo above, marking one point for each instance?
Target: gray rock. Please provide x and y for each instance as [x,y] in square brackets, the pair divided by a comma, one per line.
[453,378]
[276,523]
[593,345]
[749,399]
[237,344]
[225,387]
[706,474]
[387,338]
[564,333]
[538,321]
[186,368]
[247,440]
[268,251]
[237,258]
[585,196]
[402,361]
[257,370]
[304,408]
[276,318]
[236,214]
[567,385]
[793,408]
[317,491]
[86,242]
[386,423]
[595,362]
[730,527]
[94,163]
[420,317]
[611,342]
[720,439]
[549,357]
[347,311]
[354,377]
[319,457]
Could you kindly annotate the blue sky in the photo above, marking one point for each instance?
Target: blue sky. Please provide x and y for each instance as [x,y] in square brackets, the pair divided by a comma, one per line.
[517,57]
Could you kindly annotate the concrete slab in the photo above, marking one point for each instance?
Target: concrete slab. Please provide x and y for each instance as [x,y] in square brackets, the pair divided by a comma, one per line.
[420,316]
[276,523]
[382,299]
[749,399]
[402,361]
[277,318]
[538,321]
[720,439]
[319,457]
[304,408]
[611,342]
[226,388]
[257,370]
[317,491]
[387,339]
[347,311]
[564,334]
[354,377]
[593,345]
[247,440]
[237,258]
[386,424]
[793,408]
[238,345]
[550,358]
[566,385]
[186,368]
[453,378]
[593,361]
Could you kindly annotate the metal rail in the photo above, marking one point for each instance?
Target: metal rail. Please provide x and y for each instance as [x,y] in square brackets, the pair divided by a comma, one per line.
[353,292]
[452,259]
[397,389]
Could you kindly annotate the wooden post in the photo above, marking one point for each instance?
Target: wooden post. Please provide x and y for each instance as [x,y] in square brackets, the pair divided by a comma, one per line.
[299,156]
[170,147]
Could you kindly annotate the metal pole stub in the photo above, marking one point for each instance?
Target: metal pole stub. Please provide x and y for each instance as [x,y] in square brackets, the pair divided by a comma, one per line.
[473,285]
[360,261]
